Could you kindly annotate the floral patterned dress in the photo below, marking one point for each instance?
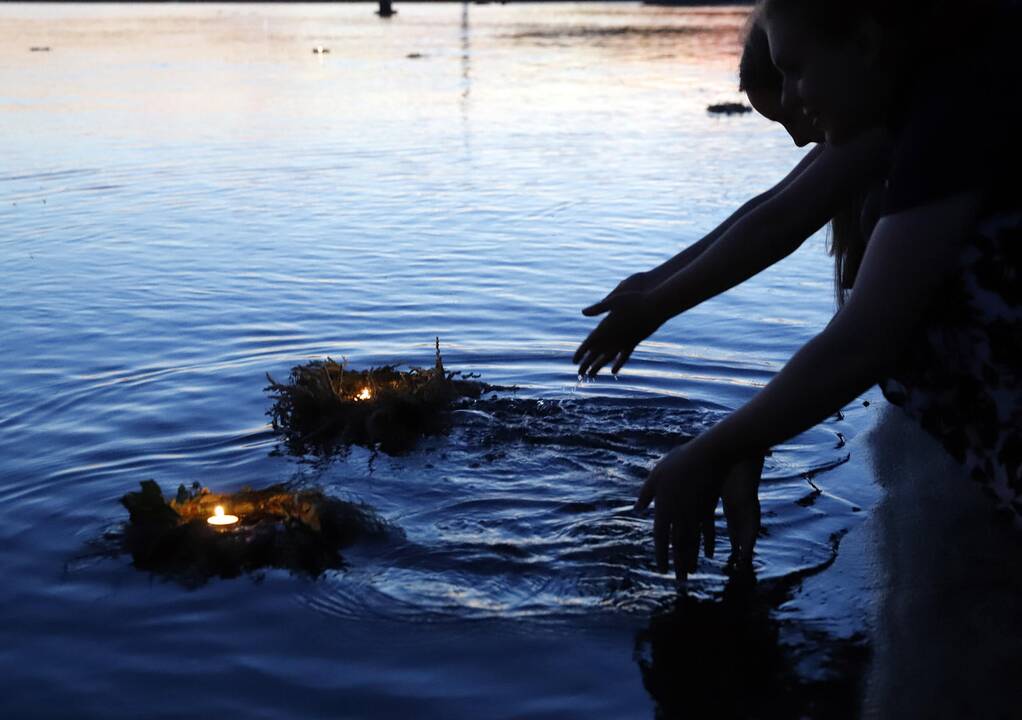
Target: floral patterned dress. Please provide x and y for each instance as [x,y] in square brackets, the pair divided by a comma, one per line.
[962,376]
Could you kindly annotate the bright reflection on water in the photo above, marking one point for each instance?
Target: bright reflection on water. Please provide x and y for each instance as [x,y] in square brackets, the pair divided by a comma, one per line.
[191,198]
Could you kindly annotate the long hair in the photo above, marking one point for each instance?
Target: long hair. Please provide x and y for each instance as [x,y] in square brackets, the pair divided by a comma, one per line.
[847,245]
[756,71]
[836,18]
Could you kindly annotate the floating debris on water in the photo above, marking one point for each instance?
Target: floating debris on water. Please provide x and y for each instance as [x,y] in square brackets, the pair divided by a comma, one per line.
[326,404]
[186,540]
[730,108]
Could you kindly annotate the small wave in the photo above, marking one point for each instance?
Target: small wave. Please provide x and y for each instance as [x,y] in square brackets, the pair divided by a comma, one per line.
[534,517]
[50,175]
[601,31]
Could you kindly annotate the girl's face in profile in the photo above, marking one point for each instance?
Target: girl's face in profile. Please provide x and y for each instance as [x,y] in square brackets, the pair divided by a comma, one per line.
[834,83]
[768,104]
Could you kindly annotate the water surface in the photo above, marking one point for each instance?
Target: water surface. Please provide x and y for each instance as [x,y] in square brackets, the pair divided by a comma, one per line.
[191,198]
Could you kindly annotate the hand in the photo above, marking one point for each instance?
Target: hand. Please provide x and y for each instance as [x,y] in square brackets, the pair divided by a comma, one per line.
[632,319]
[636,282]
[685,488]
[740,494]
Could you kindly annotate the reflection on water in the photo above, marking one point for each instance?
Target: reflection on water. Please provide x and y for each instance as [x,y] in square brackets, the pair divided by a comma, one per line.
[706,35]
[730,657]
[192,198]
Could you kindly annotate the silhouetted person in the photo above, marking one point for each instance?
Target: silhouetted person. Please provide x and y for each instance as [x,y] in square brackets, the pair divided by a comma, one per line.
[827,184]
[935,315]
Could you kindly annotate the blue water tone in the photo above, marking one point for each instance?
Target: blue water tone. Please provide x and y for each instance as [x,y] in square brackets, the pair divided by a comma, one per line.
[191,198]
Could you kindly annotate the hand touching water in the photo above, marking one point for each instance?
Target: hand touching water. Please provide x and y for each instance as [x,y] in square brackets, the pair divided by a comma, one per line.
[632,318]
[740,496]
[685,488]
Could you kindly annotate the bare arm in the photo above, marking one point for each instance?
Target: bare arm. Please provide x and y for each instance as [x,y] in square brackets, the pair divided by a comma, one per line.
[908,258]
[759,239]
[776,228]
[663,271]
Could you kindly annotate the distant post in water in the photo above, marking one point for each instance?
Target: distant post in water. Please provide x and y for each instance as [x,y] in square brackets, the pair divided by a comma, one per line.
[386,9]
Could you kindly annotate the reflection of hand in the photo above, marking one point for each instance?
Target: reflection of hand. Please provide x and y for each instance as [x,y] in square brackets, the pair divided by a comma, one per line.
[685,489]
[740,494]
[632,318]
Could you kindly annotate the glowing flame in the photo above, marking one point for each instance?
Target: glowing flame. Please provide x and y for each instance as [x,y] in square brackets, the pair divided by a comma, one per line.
[366,394]
[219,518]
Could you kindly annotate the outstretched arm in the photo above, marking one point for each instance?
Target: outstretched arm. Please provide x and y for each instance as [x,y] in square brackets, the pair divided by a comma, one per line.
[665,270]
[778,228]
[770,232]
[908,258]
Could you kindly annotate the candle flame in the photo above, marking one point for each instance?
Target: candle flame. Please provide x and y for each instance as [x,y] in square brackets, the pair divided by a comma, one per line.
[221,519]
[366,394]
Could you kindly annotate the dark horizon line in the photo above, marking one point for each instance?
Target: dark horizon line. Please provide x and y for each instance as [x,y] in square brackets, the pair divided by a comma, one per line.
[688,3]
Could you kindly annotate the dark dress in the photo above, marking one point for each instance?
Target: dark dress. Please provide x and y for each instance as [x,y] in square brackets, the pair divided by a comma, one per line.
[961,376]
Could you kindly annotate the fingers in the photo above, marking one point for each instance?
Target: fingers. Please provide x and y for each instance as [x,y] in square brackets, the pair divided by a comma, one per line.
[583,349]
[621,360]
[741,507]
[682,522]
[709,532]
[591,346]
[599,362]
[740,527]
[733,522]
[750,529]
[661,536]
[608,340]
[592,349]
[677,532]
[592,362]
[584,362]
[586,356]
[646,493]
[690,537]
[677,538]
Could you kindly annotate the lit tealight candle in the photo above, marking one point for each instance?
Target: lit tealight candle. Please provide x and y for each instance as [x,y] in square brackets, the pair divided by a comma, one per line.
[366,394]
[219,518]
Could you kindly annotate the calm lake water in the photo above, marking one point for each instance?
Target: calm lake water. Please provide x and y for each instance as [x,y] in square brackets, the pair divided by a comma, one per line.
[191,199]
